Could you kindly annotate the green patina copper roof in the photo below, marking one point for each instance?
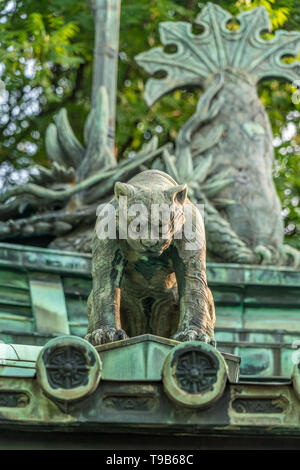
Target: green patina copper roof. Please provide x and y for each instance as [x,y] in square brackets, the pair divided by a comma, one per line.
[44,294]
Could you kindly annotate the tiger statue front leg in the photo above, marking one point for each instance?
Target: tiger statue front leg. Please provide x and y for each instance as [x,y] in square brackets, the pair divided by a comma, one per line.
[197,311]
[104,301]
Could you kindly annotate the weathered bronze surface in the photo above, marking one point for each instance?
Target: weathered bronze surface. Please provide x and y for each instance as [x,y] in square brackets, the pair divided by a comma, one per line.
[147,405]
[149,285]
[149,384]
[195,371]
[225,150]
[257,307]
[68,369]
[194,375]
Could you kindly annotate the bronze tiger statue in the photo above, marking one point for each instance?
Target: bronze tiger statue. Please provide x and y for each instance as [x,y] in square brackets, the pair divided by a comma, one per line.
[145,285]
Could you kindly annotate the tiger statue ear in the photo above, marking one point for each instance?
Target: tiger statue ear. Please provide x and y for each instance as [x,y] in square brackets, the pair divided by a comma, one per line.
[178,193]
[123,189]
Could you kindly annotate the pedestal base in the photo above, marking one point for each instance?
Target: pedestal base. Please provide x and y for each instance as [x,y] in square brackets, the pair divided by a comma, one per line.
[143,357]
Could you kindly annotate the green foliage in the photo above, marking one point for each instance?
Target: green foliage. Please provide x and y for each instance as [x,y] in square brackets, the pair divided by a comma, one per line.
[47,49]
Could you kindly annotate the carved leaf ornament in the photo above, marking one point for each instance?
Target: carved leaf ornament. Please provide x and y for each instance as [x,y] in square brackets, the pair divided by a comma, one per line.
[216,48]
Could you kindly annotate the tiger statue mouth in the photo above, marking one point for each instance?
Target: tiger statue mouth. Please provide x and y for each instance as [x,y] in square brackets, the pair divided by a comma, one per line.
[154,246]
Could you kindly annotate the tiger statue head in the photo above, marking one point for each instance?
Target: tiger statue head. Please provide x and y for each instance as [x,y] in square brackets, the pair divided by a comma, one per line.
[150,211]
